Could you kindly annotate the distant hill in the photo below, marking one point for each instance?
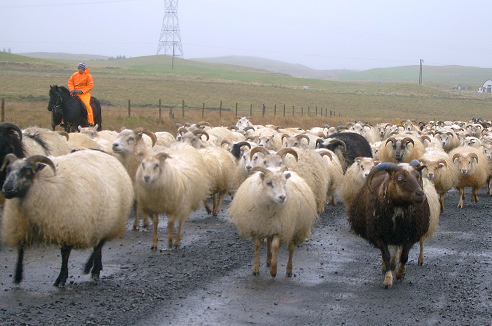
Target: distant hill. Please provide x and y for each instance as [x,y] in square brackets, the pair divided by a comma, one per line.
[292,69]
[63,56]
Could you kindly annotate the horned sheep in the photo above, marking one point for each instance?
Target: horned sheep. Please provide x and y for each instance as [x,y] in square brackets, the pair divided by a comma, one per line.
[402,148]
[278,206]
[391,209]
[77,201]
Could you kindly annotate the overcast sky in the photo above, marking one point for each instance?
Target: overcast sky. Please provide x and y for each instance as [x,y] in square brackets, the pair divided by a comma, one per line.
[321,34]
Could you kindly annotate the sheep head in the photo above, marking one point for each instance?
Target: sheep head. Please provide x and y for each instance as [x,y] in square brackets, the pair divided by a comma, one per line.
[151,166]
[274,183]
[465,162]
[21,173]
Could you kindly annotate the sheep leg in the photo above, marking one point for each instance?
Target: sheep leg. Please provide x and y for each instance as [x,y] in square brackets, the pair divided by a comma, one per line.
[289,262]
[394,258]
[269,251]
[170,231]
[19,267]
[62,277]
[219,203]
[441,201]
[388,274]
[275,246]
[136,221]
[256,266]
[421,254]
[177,241]
[462,197]
[402,269]
[155,222]
[145,220]
[207,208]
[95,261]
[474,198]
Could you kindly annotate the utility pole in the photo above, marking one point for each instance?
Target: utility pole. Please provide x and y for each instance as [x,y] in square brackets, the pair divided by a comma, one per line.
[170,39]
[420,74]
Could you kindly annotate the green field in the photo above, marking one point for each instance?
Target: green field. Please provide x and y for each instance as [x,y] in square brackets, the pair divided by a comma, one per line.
[380,95]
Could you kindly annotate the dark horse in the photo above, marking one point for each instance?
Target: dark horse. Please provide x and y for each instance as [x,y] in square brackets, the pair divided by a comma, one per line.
[69,111]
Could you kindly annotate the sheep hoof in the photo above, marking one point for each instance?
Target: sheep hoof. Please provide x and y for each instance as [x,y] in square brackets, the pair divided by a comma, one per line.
[288,274]
[388,280]
[153,248]
[256,273]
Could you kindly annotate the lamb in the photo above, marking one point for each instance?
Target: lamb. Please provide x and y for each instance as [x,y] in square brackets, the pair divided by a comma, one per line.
[173,182]
[440,169]
[473,169]
[401,149]
[127,148]
[81,200]
[391,209]
[278,206]
[355,177]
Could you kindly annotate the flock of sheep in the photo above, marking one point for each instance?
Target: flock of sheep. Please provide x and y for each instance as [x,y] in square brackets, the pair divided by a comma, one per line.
[76,190]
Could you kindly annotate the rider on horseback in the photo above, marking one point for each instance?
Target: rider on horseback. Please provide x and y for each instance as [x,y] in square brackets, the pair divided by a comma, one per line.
[80,84]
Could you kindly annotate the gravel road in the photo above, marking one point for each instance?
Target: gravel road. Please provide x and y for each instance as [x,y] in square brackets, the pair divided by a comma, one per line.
[337,278]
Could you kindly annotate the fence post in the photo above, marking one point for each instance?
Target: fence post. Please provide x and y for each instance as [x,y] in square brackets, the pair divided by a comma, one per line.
[308,111]
[129,108]
[160,109]
[220,110]
[263,111]
[316,111]
[236,109]
[293,110]
[251,110]
[275,110]
[171,114]
[183,107]
[302,111]
[284,110]
[3,109]
[203,110]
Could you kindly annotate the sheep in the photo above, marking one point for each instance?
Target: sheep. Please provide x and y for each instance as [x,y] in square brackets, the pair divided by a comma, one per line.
[278,206]
[221,167]
[355,177]
[473,171]
[82,141]
[306,163]
[243,122]
[401,149]
[81,200]
[391,209]
[298,142]
[54,143]
[174,182]
[440,169]
[334,171]
[487,151]
[448,139]
[127,148]
[347,146]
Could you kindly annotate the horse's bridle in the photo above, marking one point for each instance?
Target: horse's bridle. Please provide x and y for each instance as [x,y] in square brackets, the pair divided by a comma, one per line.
[59,99]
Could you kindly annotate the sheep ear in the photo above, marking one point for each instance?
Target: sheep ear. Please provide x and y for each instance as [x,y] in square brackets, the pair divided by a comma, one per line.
[262,176]
[287,175]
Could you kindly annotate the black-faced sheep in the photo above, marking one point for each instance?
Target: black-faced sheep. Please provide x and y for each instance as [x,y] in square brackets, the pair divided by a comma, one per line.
[401,148]
[473,171]
[77,201]
[278,206]
[174,182]
[391,209]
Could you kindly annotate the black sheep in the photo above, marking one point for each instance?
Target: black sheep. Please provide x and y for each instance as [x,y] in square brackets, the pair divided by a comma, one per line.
[347,146]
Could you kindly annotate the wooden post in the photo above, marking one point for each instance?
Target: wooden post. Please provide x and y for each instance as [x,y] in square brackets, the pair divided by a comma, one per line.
[302,111]
[284,110]
[263,111]
[3,110]
[293,110]
[220,110]
[308,111]
[129,108]
[316,111]
[160,110]
[171,114]
[251,110]
[183,107]
[203,110]
[236,109]
[275,110]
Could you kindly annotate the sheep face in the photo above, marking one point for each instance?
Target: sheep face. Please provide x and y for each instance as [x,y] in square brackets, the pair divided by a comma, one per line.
[466,162]
[21,174]
[125,143]
[274,184]
[401,148]
[364,165]
[151,166]
[432,168]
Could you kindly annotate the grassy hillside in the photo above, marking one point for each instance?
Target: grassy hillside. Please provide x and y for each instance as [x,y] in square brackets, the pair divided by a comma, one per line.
[146,80]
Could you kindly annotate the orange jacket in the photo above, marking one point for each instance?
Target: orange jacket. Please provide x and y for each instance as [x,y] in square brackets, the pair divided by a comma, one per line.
[81,81]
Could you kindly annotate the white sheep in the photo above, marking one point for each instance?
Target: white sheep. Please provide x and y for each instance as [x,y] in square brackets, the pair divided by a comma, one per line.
[127,149]
[355,177]
[473,171]
[44,142]
[278,206]
[80,200]
[174,182]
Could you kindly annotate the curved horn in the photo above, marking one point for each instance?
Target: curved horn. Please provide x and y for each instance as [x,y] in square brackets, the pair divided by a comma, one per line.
[391,139]
[181,130]
[425,137]
[387,166]
[298,137]
[287,150]
[201,132]
[248,128]
[203,123]
[258,149]
[407,140]
[282,138]
[324,151]
[233,127]
[442,161]
[7,159]
[236,149]
[42,159]
[140,131]
[64,134]
[473,155]
[318,141]
[13,126]
[162,155]
[455,156]
[338,142]
[262,169]
[225,141]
